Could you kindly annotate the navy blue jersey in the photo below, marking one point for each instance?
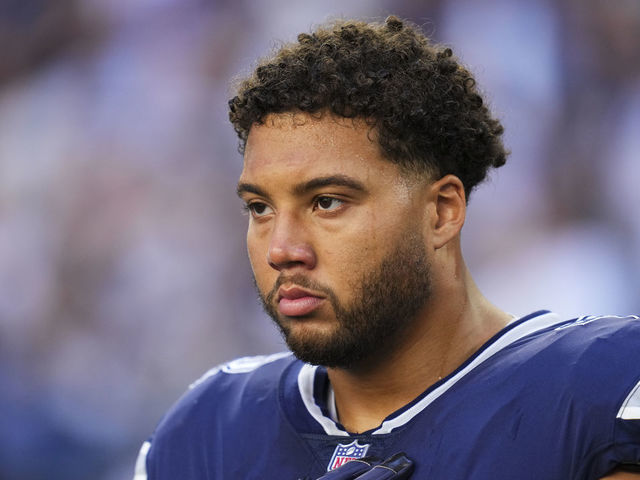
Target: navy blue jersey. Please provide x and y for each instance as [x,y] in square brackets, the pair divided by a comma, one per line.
[543,399]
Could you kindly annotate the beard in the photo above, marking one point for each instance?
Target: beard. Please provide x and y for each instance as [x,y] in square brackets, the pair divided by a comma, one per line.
[386,301]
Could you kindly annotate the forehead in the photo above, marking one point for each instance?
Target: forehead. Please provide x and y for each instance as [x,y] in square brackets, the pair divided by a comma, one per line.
[299,146]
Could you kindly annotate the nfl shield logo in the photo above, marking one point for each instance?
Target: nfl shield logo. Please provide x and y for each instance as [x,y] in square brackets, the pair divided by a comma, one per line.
[344,453]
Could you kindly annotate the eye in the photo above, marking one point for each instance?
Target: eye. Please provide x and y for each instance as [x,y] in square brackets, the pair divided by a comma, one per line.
[258,209]
[328,204]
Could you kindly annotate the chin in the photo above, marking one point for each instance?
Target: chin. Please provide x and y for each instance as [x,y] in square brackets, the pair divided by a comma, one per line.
[309,333]
[326,348]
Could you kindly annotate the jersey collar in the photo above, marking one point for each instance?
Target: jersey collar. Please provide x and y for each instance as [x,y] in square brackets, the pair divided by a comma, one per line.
[307,388]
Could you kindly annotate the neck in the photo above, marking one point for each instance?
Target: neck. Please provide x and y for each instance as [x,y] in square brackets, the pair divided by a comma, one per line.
[442,338]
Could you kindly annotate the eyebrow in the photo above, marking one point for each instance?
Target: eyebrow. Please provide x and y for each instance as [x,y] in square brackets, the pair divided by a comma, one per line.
[330,181]
[313,184]
[250,188]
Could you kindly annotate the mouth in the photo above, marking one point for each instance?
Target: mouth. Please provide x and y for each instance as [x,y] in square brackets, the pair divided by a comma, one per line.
[294,301]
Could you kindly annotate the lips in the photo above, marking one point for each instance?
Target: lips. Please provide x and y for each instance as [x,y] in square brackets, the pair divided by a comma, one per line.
[296,301]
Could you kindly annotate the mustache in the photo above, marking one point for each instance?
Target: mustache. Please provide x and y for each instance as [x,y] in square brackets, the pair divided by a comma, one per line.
[301,281]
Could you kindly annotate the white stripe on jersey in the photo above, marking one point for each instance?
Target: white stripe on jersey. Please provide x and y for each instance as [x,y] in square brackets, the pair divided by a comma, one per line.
[306,378]
[141,463]
[630,409]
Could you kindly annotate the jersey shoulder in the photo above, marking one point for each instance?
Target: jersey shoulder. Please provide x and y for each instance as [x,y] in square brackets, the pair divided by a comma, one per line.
[605,382]
[589,339]
[595,360]
[227,388]
[591,344]
[227,402]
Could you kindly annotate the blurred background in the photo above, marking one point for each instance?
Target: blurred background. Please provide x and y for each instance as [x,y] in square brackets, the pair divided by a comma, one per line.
[123,273]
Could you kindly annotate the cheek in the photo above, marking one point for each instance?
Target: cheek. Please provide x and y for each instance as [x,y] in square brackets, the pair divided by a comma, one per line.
[257,252]
[355,255]
[257,244]
[253,250]
[349,257]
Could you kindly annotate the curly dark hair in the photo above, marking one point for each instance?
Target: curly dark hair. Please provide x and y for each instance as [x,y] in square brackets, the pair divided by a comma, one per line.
[424,106]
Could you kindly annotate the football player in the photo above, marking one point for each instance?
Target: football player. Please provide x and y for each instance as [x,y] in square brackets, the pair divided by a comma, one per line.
[362,144]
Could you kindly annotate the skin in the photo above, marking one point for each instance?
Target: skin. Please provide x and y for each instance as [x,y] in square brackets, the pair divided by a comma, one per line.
[622,476]
[332,233]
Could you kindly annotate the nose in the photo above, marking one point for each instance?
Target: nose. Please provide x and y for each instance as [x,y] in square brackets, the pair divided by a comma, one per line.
[289,247]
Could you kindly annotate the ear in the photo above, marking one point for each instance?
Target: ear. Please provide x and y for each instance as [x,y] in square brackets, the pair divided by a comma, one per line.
[450,209]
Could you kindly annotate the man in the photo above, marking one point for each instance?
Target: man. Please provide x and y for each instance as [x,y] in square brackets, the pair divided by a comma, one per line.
[362,143]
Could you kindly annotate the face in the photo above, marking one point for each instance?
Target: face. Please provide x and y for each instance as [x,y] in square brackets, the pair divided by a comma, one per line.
[335,238]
